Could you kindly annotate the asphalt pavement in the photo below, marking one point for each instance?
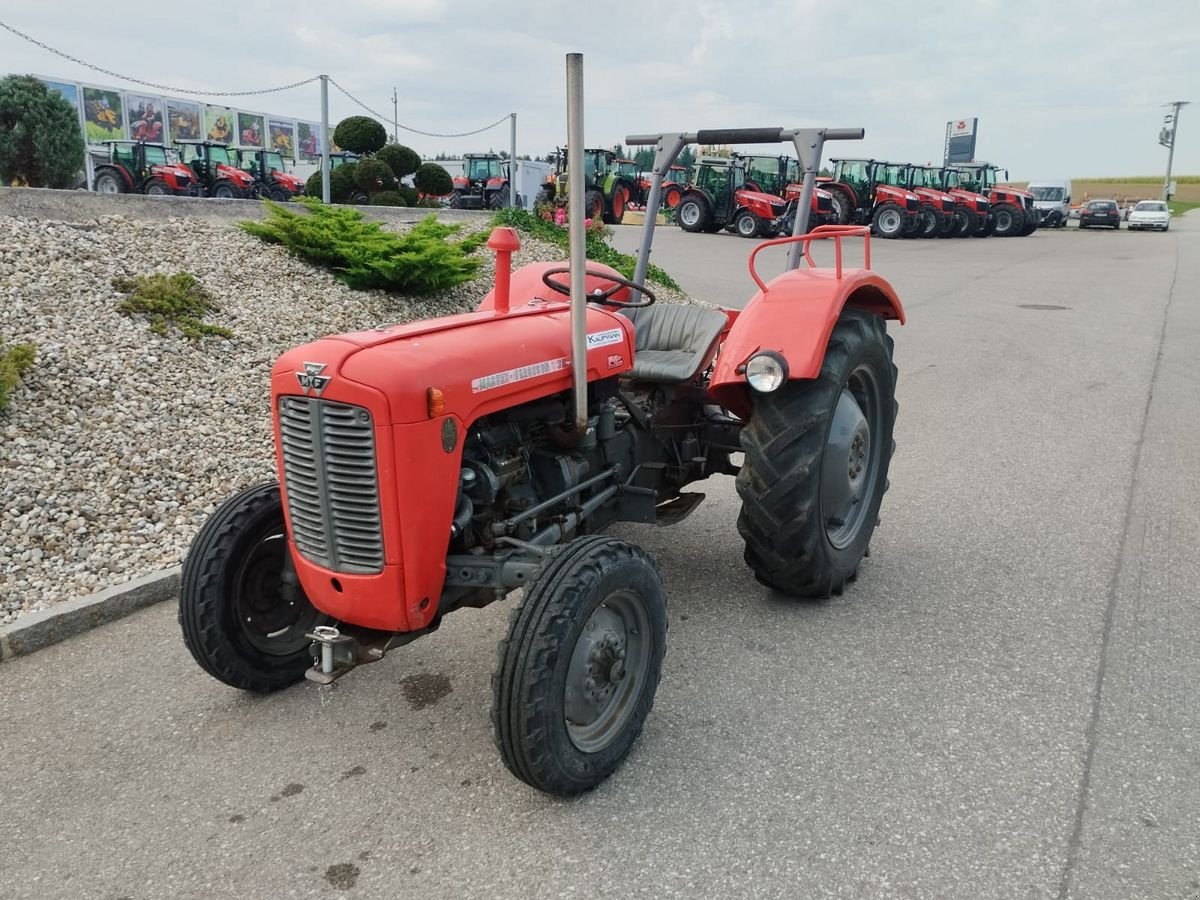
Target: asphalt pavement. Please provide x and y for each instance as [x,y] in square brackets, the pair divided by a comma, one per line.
[1002,706]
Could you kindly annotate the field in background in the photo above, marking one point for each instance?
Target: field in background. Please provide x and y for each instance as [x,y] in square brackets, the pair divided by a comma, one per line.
[1136,188]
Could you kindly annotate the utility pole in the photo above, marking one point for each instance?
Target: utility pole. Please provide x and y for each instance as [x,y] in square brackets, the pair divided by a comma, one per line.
[1168,141]
[395,118]
[325,139]
[512,162]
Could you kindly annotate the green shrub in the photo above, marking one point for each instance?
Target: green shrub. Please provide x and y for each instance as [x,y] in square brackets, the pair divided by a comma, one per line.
[402,160]
[14,362]
[178,300]
[359,134]
[41,143]
[341,183]
[312,187]
[410,195]
[432,180]
[431,203]
[598,248]
[362,255]
[372,176]
[388,198]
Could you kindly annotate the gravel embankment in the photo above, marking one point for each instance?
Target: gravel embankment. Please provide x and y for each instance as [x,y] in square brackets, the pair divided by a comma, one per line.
[119,443]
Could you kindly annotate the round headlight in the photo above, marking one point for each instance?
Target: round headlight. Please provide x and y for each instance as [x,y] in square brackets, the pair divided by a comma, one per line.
[766,371]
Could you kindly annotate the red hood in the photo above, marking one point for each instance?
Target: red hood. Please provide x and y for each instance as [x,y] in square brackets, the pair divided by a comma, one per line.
[172,169]
[744,196]
[233,174]
[288,179]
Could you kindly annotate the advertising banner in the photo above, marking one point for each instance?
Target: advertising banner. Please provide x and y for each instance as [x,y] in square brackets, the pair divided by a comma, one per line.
[146,118]
[219,122]
[250,130]
[960,140]
[283,137]
[103,115]
[183,120]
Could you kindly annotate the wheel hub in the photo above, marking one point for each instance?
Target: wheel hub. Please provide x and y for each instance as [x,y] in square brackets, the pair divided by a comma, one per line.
[846,469]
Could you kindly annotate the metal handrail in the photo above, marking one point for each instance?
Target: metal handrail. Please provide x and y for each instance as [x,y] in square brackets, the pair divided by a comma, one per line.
[821,232]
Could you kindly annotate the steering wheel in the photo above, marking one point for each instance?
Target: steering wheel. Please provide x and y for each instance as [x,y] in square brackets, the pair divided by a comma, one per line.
[604,298]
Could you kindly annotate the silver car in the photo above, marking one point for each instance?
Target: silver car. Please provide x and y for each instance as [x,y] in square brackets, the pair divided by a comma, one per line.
[1150,214]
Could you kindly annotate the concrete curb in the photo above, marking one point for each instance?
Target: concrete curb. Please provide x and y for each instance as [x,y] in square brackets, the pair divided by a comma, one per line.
[40,629]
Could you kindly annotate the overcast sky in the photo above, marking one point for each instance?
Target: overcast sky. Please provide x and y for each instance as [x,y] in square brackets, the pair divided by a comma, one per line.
[1061,87]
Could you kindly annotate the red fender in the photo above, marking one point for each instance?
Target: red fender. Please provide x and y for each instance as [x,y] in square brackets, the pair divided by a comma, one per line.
[795,316]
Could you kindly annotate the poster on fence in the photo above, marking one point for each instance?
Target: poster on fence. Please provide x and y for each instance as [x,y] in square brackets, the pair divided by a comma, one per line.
[250,130]
[103,115]
[283,137]
[219,122]
[146,122]
[309,134]
[183,120]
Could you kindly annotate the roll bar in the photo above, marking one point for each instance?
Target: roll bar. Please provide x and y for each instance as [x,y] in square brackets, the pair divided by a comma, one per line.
[809,142]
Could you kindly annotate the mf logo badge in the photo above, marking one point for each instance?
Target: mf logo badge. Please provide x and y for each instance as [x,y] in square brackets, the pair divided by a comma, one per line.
[312,380]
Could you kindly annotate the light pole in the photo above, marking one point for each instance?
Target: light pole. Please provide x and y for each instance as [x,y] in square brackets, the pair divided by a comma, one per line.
[325,139]
[1168,141]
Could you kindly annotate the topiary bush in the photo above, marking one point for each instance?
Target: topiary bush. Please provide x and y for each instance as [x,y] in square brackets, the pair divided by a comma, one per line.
[410,195]
[364,256]
[389,198]
[433,181]
[312,187]
[14,362]
[41,143]
[403,161]
[359,134]
[372,176]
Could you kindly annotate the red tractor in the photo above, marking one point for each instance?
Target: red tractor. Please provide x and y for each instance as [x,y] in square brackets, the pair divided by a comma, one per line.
[272,180]
[717,199]
[483,184]
[141,168]
[935,218]
[780,175]
[215,169]
[439,465]
[672,189]
[972,214]
[859,197]
[1011,210]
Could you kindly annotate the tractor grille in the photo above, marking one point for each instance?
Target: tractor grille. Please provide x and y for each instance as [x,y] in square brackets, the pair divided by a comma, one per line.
[825,204]
[331,484]
[1028,202]
[912,205]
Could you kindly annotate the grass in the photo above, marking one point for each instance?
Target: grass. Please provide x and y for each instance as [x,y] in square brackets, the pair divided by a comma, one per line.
[177,300]
[14,362]
[598,248]
[364,256]
[1179,207]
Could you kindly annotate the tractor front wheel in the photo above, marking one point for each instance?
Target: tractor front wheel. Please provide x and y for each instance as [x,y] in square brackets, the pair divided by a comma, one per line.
[888,220]
[1009,221]
[620,199]
[965,222]
[243,613]
[224,190]
[156,187]
[576,675]
[593,205]
[746,224]
[693,214]
[947,224]
[671,197]
[279,195]
[816,466]
[927,223]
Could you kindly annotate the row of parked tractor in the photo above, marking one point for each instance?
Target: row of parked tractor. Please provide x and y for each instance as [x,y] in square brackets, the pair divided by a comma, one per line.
[192,169]
[757,196]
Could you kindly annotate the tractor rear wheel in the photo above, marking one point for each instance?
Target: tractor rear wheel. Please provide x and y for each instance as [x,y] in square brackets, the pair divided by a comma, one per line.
[620,199]
[816,467]
[746,224]
[243,613]
[888,220]
[498,199]
[456,200]
[109,182]
[842,208]
[693,213]
[576,675]
[1009,220]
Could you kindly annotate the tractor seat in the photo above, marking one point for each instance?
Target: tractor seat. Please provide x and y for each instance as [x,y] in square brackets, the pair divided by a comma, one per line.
[673,342]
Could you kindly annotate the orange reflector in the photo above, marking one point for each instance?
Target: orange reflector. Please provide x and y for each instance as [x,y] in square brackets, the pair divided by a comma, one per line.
[436,402]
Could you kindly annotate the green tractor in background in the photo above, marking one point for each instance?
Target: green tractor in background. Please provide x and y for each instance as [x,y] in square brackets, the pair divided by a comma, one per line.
[608,192]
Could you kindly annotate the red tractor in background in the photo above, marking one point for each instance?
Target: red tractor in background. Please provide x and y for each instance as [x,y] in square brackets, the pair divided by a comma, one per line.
[716,199]
[860,198]
[272,180]
[440,465]
[972,214]
[1012,210]
[484,183]
[935,218]
[672,189]
[140,168]
[215,169]
[780,175]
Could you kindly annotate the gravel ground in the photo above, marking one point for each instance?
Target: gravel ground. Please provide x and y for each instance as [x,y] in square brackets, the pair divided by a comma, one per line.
[119,443]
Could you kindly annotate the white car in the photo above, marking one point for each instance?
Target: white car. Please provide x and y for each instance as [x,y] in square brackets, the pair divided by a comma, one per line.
[1150,214]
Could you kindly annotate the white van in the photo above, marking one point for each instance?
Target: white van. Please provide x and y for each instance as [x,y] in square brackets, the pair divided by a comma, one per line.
[1052,200]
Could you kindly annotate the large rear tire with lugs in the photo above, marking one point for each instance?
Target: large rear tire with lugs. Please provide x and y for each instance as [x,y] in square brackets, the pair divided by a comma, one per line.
[576,675]
[243,613]
[816,464]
